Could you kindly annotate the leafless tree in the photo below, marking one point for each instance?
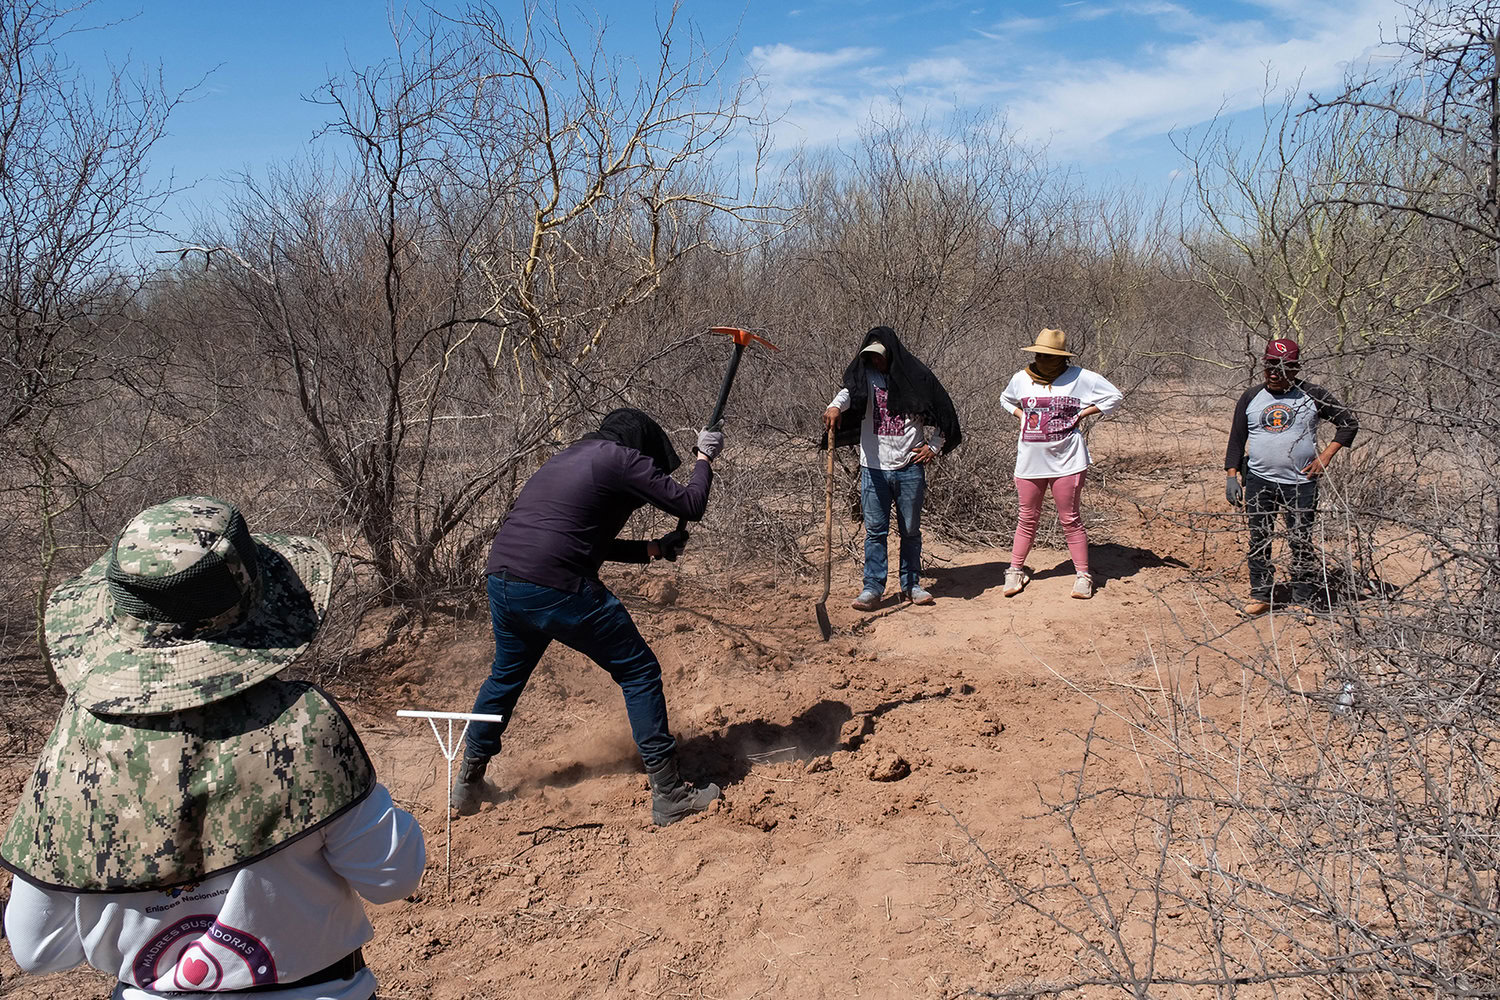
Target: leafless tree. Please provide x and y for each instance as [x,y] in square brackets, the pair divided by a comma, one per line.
[441,311]
[74,194]
[1441,94]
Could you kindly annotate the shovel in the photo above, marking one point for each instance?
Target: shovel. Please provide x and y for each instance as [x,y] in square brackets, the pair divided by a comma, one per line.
[824,625]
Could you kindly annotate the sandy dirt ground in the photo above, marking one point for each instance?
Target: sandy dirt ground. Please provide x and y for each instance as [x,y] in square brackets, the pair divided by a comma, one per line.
[840,862]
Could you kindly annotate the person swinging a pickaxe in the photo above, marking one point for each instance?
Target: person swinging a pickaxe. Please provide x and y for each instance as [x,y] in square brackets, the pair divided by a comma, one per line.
[543,584]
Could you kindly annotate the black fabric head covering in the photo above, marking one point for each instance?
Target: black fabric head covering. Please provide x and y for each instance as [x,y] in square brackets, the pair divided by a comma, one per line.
[911,390]
[634,429]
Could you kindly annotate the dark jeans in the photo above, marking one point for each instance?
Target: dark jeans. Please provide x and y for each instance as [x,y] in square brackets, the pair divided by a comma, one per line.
[878,490]
[1298,505]
[527,617]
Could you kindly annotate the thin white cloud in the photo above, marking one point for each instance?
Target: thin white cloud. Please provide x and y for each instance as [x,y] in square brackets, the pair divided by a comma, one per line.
[948,71]
[1091,12]
[1090,101]
[786,61]
[1013,26]
[1189,68]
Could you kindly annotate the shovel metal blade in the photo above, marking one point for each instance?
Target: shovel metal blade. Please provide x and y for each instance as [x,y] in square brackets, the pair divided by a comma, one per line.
[824,625]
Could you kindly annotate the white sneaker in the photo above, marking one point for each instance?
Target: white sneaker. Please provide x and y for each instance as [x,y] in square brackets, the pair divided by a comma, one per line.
[1015,581]
[1083,587]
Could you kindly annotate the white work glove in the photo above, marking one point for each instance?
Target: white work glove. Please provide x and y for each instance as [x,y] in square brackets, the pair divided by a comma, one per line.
[710,443]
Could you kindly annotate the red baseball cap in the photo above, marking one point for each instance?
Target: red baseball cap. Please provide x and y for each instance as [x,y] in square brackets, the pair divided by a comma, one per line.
[1283,350]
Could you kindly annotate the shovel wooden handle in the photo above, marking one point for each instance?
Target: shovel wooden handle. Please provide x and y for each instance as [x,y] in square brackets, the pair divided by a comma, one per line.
[828,522]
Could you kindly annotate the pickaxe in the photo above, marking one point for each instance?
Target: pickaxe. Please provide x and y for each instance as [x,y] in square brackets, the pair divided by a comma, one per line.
[742,339]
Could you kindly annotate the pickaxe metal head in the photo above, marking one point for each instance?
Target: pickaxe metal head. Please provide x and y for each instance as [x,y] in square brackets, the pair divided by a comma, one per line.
[743,338]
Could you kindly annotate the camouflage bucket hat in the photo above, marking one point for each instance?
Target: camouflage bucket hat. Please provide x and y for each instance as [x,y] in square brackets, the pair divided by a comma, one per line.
[128,803]
[185,609]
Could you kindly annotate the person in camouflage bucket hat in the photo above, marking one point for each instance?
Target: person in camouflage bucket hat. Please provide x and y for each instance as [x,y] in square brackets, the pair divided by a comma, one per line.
[195,824]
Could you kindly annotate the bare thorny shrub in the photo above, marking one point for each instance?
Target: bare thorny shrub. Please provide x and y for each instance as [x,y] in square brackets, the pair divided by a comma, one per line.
[509,233]
[427,319]
[1276,843]
[1319,816]
[81,397]
[513,234]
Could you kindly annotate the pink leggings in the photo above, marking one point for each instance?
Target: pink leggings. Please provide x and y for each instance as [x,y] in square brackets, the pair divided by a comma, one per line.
[1065,490]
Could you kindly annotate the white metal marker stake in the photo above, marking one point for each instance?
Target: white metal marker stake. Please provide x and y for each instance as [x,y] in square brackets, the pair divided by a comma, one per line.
[449,751]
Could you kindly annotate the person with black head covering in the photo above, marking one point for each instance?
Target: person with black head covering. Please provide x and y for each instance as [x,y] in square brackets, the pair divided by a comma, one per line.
[907,421]
[543,583]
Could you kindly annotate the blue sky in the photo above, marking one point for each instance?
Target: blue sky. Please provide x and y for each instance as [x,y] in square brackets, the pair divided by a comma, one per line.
[1102,83]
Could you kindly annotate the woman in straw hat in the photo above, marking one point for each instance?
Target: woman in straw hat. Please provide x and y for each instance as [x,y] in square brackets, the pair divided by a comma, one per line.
[196,824]
[1050,397]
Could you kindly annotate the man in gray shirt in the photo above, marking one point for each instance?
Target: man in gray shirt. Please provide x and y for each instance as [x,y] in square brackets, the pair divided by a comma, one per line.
[1273,463]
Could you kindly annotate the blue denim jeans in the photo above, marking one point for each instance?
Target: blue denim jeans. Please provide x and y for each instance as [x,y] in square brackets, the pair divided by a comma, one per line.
[527,617]
[878,490]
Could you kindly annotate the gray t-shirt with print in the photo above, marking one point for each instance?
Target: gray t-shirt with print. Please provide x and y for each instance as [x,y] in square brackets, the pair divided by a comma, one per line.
[1275,435]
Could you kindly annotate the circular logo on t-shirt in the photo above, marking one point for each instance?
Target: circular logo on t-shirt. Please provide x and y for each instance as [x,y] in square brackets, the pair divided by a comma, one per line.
[190,955]
[1277,417]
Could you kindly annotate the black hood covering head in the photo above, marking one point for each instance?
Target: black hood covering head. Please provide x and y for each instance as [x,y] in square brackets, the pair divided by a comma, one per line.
[634,429]
[911,389]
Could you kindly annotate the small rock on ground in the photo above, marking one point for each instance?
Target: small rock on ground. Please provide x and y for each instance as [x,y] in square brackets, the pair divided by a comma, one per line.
[889,767]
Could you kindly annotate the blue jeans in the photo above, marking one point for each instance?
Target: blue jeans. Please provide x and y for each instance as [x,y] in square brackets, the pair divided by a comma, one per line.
[878,490]
[527,617]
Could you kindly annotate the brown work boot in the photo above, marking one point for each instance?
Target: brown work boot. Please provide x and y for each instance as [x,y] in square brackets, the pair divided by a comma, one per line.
[1256,608]
[468,787]
[672,798]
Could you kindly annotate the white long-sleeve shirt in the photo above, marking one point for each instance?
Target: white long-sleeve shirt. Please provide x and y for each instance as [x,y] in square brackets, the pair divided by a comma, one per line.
[886,439]
[1049,443]
[279,919]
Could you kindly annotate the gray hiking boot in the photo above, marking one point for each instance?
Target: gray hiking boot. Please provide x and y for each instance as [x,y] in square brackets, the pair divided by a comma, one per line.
[468,787]
[867,600]
[673,799]
[919,595]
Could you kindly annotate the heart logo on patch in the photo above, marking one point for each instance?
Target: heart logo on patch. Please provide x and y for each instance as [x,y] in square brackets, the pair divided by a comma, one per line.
[195,970]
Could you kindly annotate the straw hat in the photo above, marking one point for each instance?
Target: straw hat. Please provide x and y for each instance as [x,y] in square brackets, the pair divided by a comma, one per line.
[185,609]
[1050,342]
